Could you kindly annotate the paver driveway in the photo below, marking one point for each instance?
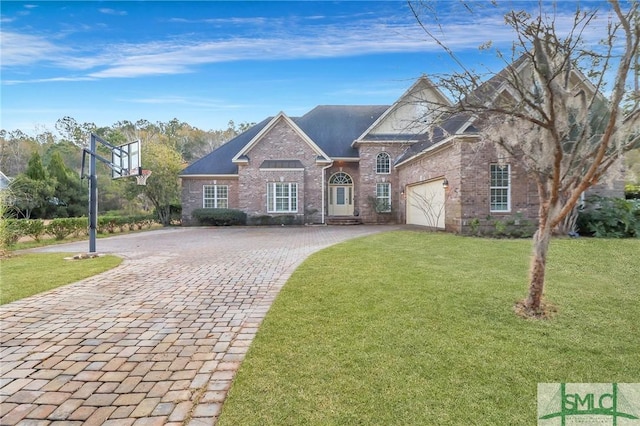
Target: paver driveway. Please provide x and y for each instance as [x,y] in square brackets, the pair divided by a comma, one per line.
[156,340]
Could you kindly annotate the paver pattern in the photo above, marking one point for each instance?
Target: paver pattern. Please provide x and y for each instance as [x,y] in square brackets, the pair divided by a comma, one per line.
[155,341]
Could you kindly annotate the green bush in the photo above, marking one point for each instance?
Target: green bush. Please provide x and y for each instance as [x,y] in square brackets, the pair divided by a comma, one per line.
[219,217]
[513,226]
[62,228]
[610,218]
[34,228]
[268,220]
[11,232]
[632,192]
[111,224]
[142,221]
[106,224]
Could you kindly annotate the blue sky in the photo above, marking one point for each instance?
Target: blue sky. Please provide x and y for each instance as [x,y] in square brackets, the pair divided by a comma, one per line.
[206,63]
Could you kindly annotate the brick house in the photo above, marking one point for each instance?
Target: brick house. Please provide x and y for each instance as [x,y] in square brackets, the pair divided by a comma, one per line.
[365,164]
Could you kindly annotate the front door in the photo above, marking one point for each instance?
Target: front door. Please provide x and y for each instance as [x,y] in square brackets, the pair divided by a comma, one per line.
[340,195]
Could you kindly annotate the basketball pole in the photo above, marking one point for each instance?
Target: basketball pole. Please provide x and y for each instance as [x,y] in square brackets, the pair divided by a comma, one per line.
[93,196]
[93,181]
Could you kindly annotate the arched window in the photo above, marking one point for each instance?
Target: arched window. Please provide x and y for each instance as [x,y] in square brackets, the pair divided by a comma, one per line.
[340,178]
[383,163]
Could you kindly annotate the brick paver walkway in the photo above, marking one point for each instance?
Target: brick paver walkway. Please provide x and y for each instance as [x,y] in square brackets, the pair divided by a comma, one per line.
[155,341]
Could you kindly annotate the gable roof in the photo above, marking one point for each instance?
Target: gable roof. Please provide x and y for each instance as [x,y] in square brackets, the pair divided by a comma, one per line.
[413,108]
[329,128]
[455,125]
[242,154]
[218,162]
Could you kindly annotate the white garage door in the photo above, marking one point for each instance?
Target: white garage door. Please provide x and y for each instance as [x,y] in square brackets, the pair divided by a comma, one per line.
[425,204]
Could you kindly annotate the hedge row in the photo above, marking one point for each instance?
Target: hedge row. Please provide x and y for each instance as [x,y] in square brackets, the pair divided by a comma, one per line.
[230,217]
[14,229]
[219,217]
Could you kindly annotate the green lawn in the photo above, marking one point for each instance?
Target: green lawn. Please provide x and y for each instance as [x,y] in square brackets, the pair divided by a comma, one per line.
[28,274]
[416,328]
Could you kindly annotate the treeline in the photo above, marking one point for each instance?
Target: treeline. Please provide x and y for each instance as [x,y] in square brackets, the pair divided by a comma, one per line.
[45,168]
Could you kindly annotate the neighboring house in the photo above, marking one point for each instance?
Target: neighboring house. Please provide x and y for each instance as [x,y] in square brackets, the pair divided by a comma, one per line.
[4,181]
[366,164]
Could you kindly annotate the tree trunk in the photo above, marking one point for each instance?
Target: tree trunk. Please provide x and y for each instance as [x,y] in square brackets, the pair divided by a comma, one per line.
[164,214]
[541,240]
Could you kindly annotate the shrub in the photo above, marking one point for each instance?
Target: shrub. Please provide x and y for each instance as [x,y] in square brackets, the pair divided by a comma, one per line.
[260,220]
[111,224]
[514,226]
[632,191]
[610,218]
[219,217]
[34,228]
[11,232]
[107,224]
[62,228]
[281,219]
[474,225]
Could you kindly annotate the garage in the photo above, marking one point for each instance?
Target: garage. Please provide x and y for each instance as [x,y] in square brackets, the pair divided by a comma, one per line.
[426,204]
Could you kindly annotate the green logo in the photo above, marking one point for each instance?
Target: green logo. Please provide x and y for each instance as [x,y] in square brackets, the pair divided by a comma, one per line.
[563,404]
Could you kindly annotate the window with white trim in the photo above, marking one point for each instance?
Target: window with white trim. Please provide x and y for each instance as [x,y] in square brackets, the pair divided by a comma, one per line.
[282,197]
[383,163]
[500,188]
[215,196]
[383,197]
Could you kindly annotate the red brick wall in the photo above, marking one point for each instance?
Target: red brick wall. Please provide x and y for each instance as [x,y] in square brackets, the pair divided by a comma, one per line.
[192,195]
[466,166]
[369,178]
[441,163]
[281,143]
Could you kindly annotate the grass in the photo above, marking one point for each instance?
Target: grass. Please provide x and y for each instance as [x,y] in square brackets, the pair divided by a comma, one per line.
[27,274]
[415,328]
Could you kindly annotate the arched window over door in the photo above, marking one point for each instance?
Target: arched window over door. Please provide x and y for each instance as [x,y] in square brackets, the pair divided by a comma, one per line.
[340,195]
[340,178]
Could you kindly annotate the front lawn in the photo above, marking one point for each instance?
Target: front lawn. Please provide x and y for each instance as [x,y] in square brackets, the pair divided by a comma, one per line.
[27,274]
[416,328]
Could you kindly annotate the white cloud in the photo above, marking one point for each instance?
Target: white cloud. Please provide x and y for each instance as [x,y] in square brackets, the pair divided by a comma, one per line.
[180,56]
[47,80]
[185,101]
[26,49]
[108,11]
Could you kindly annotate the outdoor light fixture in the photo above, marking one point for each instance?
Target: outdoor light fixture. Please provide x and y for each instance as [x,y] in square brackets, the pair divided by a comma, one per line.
[445,184]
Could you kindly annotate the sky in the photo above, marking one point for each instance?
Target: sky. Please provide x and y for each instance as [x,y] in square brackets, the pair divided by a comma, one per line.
[206,63]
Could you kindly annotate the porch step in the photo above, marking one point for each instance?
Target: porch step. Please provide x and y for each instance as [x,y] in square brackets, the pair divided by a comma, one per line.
[344,220]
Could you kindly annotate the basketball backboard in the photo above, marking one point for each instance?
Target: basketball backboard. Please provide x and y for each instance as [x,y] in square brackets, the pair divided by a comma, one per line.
[126,160]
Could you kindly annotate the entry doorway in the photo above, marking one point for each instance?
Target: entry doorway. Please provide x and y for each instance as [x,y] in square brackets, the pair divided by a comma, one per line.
[340,195]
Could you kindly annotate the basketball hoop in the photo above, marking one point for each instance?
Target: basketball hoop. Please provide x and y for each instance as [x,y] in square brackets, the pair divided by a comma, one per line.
[142,177]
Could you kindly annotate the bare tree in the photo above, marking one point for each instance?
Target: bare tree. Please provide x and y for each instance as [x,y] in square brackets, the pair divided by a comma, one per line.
[565,108]
[430,204]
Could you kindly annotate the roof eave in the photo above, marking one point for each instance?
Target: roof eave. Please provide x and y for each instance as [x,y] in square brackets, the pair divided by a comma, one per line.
[209,176]
[445,143]
[346,159]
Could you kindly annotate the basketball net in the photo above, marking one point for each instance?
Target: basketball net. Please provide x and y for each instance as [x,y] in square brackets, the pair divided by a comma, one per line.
[141,179]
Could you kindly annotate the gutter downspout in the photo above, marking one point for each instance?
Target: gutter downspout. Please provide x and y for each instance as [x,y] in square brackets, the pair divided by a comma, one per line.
[323,191]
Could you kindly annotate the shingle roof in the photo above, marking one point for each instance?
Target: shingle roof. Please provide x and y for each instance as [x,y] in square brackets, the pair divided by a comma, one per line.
[451,126]
[332,127]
